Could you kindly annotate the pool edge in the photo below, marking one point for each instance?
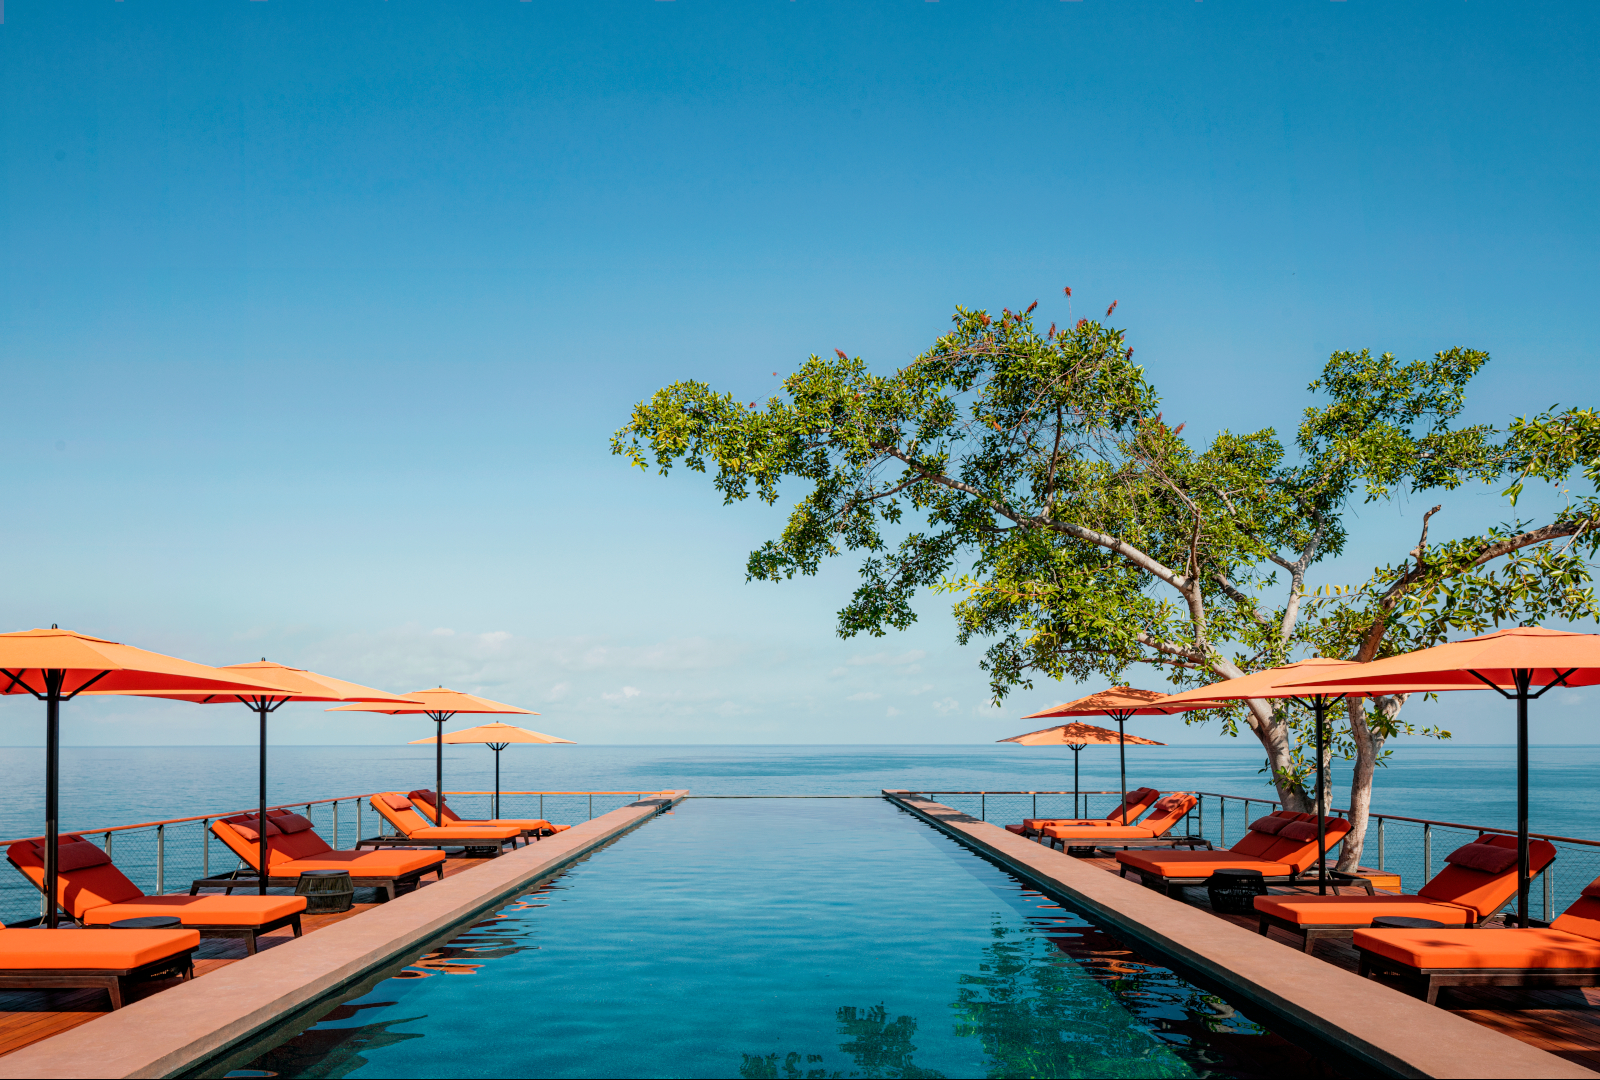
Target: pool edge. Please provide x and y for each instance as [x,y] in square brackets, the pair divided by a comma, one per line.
[1375,1024]
[181,1028]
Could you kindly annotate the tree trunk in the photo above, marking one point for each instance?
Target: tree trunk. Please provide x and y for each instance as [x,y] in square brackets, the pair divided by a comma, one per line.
[1274,736]
[1369,742]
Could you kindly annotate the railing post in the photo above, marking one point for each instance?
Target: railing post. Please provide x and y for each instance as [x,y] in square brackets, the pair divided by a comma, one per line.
[541,806]
[336,824]
[983,806]
[161,859]
[1380,846]
[1035,804]
[591,806]
[1200,805]
[1427,851]
[1549,872]
[1222,821]
[108,843]
[205,847]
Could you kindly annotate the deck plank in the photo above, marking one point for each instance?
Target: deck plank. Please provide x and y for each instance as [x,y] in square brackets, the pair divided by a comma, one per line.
[27,1016]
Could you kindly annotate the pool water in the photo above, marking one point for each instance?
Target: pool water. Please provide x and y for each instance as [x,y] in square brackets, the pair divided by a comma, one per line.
[783,938]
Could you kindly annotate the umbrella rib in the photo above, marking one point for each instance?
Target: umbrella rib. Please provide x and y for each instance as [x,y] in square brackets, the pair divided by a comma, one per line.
[1559,680]
[1491,685]
[16,678]
[86,686]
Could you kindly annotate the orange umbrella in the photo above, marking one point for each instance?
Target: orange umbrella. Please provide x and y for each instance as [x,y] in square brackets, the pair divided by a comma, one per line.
[1077,736]
[1119,702]
[496,736]
[295,684]
[439,705]
[1509,662]
[57,665]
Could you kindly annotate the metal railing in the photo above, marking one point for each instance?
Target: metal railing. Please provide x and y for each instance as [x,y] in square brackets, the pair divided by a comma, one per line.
[1412,848]
[159,856]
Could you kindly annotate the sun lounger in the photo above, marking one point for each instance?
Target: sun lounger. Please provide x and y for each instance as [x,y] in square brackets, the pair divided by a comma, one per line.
[1566,953]
[39,959]
[294,847]
[1151,832]
[1137,802]
[1282,845]
[1477,880]
[422,805]
[396,809]
[95,893]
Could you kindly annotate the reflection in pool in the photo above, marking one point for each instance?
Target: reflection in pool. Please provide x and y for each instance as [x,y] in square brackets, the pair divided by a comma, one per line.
[784,938]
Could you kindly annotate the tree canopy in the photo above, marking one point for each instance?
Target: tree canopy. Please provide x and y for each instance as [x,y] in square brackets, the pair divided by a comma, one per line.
[1032,475]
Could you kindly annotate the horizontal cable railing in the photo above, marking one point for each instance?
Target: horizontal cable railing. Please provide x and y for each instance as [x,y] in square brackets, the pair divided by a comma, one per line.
[165,856]
[1413,849]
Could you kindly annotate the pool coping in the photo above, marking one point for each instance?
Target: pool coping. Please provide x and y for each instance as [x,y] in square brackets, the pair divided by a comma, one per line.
[1373,1023]
[178,1029]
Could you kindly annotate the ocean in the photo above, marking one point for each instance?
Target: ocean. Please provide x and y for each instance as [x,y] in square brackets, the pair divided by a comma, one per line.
[108,786]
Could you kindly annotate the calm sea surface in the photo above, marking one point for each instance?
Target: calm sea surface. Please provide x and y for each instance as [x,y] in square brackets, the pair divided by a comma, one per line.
[104,786]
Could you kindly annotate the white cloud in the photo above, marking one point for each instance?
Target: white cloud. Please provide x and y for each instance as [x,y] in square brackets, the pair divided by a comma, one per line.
[946,706]
[891,711]
[865,695]
[495,637]
[558,691]
[622,695]
[887,658]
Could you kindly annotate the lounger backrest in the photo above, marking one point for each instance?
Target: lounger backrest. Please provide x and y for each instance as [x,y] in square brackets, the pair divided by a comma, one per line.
[77,891]
[1301,853]
[1480,890]
[1258,843]
[422,802]
[302,844]
[1168,812]
[223,830]
[1137,802]
[403,819]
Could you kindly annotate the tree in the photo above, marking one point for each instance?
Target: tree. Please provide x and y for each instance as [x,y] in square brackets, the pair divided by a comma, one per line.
[1032,476]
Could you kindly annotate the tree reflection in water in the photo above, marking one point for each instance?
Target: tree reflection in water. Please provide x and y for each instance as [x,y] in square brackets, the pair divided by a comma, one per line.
[332,1052]
[881,1048]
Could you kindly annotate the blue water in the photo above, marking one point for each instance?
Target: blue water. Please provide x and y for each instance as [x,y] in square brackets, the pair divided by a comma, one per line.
[104,786]
[770,938]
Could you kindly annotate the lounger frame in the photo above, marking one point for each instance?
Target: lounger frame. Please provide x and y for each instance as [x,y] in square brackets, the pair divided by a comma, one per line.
[1432,980]
[493,849]
[114,981]
[388,887]
[1308,876]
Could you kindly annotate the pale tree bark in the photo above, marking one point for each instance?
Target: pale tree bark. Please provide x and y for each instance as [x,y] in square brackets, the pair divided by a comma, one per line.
[1369,742]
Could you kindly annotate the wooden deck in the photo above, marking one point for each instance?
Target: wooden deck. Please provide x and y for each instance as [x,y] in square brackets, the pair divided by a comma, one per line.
[26,1016]
[1564,1021]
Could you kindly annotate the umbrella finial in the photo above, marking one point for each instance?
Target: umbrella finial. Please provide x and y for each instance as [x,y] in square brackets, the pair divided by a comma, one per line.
[53,626]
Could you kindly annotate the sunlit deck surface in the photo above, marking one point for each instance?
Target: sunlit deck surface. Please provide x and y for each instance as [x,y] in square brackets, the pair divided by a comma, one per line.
[26,1016]
[1564,1021]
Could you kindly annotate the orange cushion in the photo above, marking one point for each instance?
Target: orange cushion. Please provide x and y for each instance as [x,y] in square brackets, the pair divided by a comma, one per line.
[44,950]
[395,802]
[1484,892]
[1514,948]
[1104,833]
[1018,829]
[1583,917]
[250,828]
[1272,824]
[1356,910]
[77,891]
[305,844]
[1192,864]
[210,909]
[363,863]
[1490,858]
[463,832]
[291,823]
[1254,843]
[515,823]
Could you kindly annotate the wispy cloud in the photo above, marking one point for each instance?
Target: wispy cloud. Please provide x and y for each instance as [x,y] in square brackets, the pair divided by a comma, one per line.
[865,695]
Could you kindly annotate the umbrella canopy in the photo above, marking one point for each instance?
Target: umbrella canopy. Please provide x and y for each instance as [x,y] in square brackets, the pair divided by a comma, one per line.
[294,684]
[1078,735]
[1119,702]
[439,705]
[57,665]
[496,736]
[1511,662]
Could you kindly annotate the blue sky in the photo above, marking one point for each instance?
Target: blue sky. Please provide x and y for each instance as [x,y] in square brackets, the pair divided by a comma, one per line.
[317,319]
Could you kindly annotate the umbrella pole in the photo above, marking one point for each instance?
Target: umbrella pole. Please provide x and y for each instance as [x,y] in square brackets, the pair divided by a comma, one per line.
[1319,705]
[438,771]
[52,791]
[497,750]
[261,811]
[1076,750]
[1122,762]
[1524,679]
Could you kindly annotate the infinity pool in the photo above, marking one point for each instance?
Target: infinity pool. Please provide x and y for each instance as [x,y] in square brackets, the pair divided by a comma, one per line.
[783,938]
